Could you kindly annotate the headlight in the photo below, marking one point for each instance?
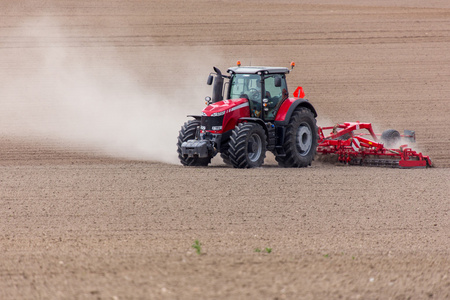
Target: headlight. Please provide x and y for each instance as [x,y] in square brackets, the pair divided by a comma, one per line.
[216,128]
[218,114]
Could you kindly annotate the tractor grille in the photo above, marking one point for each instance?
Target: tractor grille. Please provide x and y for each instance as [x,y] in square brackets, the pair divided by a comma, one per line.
[209,122]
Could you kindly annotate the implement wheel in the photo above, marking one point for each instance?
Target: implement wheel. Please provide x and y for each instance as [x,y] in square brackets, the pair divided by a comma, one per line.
[247,146]
[390,138]
[301,140]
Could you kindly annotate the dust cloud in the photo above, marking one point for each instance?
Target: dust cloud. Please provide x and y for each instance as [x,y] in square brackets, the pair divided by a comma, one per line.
[128,105]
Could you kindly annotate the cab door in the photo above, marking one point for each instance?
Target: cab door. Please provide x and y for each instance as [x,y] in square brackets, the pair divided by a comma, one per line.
[275,93]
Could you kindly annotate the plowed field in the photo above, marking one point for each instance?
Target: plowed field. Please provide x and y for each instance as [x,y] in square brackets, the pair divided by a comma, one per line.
[95,206]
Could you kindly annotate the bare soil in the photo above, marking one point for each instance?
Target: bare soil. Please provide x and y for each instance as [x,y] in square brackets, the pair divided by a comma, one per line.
[79,224]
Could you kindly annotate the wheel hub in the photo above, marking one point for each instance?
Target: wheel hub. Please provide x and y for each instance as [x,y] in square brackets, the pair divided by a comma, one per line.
[304,139]
[254,147]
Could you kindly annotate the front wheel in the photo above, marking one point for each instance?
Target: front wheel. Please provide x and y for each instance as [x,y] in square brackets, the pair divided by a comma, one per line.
[226,158]
[300,141]
[247,146]
[187,132]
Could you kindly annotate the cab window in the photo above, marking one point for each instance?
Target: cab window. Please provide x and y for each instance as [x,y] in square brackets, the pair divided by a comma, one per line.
[274,94]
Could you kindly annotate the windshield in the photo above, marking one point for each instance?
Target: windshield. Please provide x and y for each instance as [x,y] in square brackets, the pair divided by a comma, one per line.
[246,86]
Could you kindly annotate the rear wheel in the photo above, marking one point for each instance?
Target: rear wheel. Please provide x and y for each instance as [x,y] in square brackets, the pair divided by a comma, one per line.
[247,146]
[300,141]
[186,133]
[390,137]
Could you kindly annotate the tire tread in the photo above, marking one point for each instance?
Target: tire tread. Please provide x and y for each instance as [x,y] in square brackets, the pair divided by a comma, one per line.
[291,156]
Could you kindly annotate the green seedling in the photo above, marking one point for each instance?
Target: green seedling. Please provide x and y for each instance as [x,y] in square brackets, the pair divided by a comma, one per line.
[197,246]
[267,250]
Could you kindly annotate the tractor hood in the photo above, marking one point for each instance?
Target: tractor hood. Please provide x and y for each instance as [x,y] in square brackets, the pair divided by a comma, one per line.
[225,106]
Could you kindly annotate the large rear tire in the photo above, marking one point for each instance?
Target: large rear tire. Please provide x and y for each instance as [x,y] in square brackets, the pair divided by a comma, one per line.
[247,146]
[300,142]
[187,132]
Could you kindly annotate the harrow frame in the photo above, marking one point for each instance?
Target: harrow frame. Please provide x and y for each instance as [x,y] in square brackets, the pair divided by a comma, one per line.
[355,148]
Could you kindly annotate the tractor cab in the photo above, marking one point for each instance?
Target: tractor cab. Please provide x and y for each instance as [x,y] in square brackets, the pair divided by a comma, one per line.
[264,87]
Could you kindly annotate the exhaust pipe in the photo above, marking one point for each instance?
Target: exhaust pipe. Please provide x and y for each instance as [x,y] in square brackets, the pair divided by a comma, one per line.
[217,87]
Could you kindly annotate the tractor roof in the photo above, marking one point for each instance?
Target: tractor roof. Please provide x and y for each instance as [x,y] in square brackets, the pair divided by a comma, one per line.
[255,70]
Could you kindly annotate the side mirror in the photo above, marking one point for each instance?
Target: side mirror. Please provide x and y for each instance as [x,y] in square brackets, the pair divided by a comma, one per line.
[277,81]
[210,79]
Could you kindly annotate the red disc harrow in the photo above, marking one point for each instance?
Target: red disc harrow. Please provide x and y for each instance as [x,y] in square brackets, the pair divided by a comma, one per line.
[367,149]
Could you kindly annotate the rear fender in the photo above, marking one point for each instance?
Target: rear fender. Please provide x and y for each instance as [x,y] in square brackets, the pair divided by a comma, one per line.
[287,108]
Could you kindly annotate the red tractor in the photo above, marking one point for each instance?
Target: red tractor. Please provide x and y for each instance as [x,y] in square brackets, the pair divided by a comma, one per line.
[257,116]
